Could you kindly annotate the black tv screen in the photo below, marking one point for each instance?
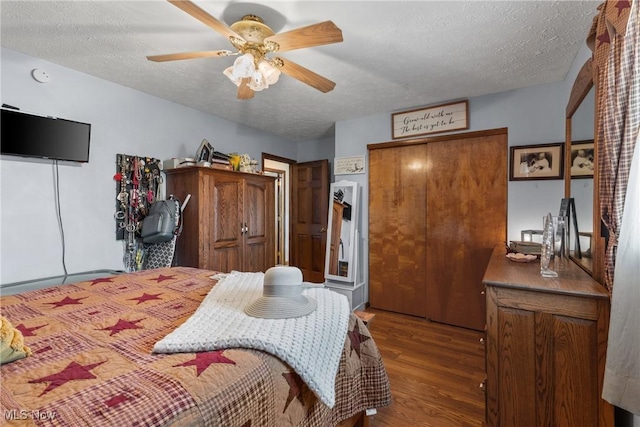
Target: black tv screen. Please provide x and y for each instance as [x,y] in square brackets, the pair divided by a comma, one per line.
[30,135]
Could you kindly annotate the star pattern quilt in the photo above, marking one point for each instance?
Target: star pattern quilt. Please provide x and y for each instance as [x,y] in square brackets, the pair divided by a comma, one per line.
[92,362]
[311,345]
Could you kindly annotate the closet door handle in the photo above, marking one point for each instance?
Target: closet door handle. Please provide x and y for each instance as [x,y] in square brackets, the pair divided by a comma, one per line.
[246,229]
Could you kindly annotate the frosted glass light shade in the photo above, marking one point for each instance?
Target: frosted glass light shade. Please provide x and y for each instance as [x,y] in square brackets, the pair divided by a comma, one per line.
[243,67]
[258,82]
[261,76]
[270,73]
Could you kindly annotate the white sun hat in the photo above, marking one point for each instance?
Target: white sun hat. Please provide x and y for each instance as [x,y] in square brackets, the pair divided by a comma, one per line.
[281,295]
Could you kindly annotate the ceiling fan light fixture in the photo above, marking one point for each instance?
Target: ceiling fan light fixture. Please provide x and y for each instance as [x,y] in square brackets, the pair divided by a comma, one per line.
[270,73]
[243,67]
[253,40]
[262,76]
[229,73]
[258,81]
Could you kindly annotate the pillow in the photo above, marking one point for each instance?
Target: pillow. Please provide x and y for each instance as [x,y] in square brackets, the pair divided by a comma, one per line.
[11,343]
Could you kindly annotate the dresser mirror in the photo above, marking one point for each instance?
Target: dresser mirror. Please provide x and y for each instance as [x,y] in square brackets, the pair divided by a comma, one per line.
[580,165]
[341,231]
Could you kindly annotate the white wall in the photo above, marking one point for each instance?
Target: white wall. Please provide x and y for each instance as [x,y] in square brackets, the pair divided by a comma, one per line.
[533,115]
[316,150]
[123,121]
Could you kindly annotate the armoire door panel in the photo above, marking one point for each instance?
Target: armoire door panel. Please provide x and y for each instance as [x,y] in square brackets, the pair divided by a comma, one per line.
[225,242]
[466,219]
[255,256]
[227,199]
[204,229]
[226,259]
[397,234]
[259,223]
[255,209]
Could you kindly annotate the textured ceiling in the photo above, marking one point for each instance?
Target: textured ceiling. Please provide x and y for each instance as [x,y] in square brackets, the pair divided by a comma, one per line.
[396,55]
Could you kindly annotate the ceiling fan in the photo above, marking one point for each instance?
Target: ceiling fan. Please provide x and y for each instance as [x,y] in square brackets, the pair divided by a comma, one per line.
[253,40]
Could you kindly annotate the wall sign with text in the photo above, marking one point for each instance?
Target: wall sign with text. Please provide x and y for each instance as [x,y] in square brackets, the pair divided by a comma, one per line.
[348,165]
[423,121]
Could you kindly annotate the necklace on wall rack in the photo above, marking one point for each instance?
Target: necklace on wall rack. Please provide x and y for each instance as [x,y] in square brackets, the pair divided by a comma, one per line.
[138,180]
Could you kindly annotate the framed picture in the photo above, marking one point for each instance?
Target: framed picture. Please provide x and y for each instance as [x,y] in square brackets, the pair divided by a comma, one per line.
[204,152]
[582,159]
[531,162]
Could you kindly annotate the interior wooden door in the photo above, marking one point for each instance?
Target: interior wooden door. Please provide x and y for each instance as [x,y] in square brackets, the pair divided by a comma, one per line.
[466,219]
[310,213]
[225,244]
[258,225]
[397,228]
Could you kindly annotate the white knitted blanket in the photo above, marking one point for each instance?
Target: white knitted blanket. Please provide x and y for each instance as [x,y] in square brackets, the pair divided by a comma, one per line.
[311,345]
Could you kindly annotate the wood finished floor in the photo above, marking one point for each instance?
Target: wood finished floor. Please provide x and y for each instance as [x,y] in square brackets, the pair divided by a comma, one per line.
[435,371]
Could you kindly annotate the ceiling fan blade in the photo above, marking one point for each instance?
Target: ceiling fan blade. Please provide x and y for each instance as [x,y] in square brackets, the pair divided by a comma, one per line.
[189,55]
[314,35]
[205,18]
[306,76]
[244,91]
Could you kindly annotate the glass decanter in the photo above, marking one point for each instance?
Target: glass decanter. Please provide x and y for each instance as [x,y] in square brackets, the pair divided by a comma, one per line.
[548,240]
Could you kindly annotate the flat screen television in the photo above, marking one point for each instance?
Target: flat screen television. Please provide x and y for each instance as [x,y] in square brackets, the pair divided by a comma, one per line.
[30,135]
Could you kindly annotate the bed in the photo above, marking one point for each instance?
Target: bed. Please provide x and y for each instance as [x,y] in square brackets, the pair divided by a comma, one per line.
[92,364]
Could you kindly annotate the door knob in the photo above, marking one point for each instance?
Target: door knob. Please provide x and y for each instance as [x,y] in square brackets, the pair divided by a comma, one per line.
[323,230]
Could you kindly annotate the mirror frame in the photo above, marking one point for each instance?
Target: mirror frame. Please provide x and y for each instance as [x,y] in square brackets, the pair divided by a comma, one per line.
[581,87]
[350,256]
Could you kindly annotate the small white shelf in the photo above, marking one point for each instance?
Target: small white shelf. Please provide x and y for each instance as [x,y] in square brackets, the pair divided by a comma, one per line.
[355,294]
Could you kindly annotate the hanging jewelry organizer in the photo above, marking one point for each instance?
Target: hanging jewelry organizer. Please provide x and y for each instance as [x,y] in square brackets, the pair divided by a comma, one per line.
[138,180]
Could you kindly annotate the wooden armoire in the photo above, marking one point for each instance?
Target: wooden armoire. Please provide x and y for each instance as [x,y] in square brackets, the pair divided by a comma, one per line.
[229,221]
[437,209]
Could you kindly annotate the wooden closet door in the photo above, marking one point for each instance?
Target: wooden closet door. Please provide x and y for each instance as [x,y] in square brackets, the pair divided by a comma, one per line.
[397,229]
[466,219]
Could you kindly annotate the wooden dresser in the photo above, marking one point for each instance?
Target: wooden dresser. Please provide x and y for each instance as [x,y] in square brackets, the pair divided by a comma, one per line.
[229,222]
[545,346]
